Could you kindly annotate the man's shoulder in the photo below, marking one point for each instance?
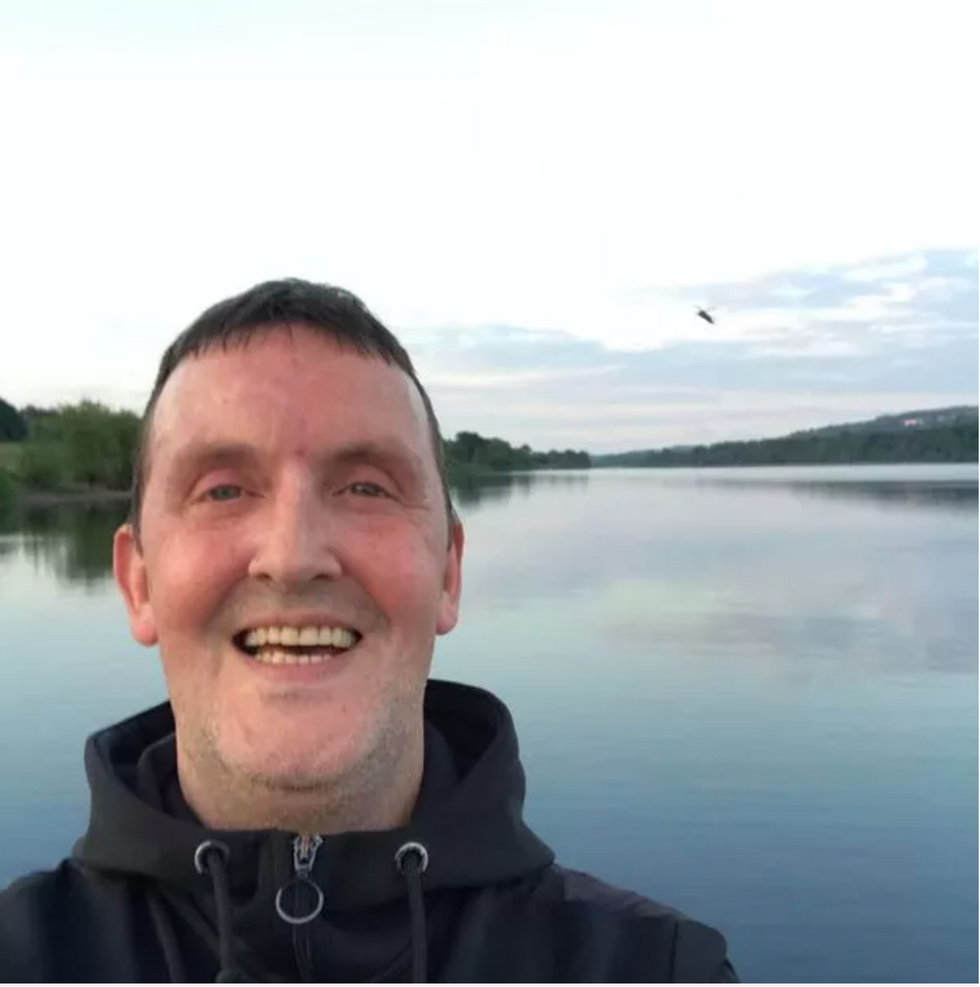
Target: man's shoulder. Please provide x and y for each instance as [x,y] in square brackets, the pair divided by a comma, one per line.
[33,914]
[564,886]
[624,935]
[41,889]
[59,921]
[575,887]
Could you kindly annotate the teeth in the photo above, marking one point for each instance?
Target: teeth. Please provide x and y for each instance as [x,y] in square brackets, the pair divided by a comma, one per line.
[333,637]
[276,656]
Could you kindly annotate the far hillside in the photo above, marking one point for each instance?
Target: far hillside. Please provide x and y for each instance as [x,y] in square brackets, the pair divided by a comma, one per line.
[938,435]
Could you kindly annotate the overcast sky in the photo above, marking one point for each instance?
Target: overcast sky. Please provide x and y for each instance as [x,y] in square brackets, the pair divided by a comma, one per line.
[533,195]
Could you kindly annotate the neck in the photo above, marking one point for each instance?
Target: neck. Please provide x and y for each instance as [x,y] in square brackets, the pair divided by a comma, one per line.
[379,793]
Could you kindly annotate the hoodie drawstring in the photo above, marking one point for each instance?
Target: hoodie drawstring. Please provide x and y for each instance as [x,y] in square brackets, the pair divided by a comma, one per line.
[211,859]
[167,937]
[412,860]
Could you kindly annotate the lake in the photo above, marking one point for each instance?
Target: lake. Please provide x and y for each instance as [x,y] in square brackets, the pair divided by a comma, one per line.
[751,694]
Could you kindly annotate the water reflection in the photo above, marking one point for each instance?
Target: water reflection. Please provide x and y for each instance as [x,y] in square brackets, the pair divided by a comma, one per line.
[72,542]
[957,495]
[501,488]
[953,496]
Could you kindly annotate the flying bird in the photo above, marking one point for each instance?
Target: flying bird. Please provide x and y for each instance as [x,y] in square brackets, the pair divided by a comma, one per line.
[706,315]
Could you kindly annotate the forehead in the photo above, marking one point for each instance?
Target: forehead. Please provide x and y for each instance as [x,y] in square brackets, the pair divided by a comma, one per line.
[288,391]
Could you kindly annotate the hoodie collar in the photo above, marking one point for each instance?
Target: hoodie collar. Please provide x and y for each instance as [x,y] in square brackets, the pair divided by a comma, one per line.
[469,815]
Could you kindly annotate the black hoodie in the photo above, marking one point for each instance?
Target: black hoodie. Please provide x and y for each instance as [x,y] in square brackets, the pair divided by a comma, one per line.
[463,892]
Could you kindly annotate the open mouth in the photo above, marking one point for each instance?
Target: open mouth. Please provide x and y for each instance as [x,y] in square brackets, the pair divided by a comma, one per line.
[295,645]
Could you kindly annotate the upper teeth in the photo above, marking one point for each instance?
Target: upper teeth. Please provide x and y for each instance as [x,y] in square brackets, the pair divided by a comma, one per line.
[337,637]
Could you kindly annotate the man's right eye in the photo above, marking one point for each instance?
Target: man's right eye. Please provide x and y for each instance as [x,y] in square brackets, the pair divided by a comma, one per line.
[223,491]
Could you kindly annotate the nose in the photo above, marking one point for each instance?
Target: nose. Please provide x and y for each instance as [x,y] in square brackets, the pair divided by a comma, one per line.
[295,544]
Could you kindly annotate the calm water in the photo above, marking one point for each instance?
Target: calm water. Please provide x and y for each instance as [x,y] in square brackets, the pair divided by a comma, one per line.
[751,694]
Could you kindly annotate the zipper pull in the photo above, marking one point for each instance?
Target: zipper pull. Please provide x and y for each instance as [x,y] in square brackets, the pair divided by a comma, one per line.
[305,847]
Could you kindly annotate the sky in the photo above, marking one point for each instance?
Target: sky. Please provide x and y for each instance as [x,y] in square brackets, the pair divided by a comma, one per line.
[534,195]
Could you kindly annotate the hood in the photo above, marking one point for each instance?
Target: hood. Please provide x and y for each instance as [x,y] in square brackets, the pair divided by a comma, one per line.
[469,819]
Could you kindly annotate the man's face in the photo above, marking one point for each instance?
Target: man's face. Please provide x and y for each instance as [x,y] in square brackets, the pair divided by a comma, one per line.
[292,484]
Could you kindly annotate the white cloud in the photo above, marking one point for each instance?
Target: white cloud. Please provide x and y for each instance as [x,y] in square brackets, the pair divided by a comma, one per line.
[902,268]
[809,348]
[489,380]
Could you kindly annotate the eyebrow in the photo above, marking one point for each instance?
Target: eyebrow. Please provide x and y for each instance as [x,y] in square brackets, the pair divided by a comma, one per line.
[212,455]
[390,453]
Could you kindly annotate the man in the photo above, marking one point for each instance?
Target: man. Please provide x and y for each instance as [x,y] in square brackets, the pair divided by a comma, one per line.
[308,806]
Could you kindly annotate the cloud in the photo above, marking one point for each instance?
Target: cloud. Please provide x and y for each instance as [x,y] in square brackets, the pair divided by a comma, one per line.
[902,267]
[791,349]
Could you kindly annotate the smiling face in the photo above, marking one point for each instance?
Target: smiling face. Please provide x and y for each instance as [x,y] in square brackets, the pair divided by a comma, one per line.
[292,493]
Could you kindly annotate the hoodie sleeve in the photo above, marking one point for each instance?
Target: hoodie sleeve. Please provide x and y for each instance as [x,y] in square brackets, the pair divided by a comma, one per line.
[26,944]
[701,955]
[66,926]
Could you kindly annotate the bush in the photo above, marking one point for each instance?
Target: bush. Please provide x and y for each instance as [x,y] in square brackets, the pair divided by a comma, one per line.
[13,428]
[9,489]
[97,445]
[44,465]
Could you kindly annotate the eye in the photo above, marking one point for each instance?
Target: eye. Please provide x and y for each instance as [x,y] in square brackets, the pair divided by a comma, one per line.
[366,489]
[223,491]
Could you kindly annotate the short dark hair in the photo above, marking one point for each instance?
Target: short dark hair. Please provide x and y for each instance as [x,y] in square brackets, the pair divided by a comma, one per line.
[291,302]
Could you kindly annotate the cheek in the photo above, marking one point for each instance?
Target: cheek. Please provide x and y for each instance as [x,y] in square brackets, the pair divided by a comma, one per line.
[404,576]
[187,579]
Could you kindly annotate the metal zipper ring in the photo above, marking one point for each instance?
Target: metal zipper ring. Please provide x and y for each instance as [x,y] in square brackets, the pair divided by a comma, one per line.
[299,919]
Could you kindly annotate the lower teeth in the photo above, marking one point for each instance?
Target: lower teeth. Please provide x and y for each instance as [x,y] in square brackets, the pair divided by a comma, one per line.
[277,656]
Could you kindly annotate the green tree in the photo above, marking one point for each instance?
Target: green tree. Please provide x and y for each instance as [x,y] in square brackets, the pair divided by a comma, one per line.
[9,490]
[97,444]
[44,466]
[13,428]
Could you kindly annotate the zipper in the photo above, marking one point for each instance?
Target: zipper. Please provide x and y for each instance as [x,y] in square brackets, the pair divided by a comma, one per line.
[305,848]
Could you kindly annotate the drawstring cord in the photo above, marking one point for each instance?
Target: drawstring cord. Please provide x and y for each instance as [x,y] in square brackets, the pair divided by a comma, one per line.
[167,937]
[211,859]
[412,861]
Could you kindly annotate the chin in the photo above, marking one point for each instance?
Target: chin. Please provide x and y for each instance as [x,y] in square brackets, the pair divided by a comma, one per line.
[296,759]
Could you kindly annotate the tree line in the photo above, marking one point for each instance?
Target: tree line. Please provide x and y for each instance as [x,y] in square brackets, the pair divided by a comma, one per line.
[953,443]
[470,450]
[74,446]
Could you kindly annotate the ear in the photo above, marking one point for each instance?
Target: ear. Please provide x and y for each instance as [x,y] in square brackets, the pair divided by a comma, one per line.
[129,568]
[452,581]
